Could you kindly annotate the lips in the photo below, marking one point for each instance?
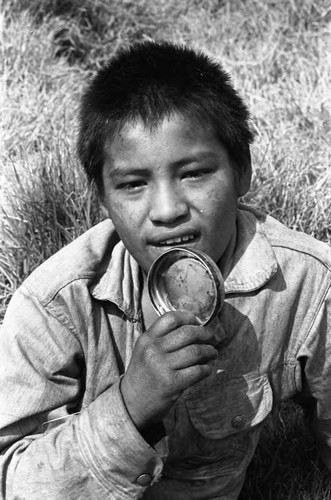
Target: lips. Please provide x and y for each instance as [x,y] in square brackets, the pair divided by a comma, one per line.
[172,240]
[177,241]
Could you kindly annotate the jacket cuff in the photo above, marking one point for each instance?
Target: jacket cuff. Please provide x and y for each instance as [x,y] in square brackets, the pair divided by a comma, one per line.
[114,450]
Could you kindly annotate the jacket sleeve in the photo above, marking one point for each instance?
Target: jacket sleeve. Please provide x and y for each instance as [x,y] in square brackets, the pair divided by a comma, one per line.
[49,446]
[316,353]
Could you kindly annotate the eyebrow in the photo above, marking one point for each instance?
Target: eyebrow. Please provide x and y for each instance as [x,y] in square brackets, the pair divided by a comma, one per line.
[126,171]
[203,155]
[121,171]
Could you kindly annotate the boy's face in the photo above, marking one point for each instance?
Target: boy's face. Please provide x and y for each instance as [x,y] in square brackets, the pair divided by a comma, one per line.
[173,186]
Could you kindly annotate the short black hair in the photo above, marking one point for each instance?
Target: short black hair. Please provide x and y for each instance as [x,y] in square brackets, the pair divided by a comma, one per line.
[150,81]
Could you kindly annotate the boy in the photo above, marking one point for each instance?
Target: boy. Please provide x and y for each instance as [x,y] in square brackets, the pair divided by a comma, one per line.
[100,398]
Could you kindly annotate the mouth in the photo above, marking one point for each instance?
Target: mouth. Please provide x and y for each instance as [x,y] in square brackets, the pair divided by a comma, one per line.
[176,240]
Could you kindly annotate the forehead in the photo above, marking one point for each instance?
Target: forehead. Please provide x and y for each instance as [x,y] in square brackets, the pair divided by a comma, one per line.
[167,140]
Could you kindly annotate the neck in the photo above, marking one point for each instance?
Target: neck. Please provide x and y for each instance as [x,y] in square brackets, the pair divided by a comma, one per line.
[225,262]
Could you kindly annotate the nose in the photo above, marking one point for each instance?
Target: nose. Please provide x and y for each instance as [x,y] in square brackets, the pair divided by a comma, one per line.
[167,204]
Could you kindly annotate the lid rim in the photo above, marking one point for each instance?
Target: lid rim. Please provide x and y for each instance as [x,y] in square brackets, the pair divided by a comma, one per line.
[161,306]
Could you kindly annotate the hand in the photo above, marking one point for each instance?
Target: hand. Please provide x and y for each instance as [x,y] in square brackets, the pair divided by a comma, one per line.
[172,355]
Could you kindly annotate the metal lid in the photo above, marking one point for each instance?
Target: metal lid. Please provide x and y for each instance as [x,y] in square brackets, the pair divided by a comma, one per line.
[182,279]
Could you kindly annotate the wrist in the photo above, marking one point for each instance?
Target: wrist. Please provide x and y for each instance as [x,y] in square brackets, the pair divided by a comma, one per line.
[131,404]
[152,433]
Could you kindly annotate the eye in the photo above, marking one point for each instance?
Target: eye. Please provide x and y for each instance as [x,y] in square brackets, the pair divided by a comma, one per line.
[131,186]
[196,173]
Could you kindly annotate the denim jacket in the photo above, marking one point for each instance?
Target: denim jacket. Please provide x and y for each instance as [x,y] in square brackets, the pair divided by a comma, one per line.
[67,339]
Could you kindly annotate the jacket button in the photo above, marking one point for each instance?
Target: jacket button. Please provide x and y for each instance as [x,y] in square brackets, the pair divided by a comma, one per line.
[238,421]
[144,479]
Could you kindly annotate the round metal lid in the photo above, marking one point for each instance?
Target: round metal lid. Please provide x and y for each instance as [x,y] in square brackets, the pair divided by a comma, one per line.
[186,280]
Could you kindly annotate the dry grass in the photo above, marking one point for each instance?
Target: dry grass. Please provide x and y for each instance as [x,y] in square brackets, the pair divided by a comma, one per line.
[279,55]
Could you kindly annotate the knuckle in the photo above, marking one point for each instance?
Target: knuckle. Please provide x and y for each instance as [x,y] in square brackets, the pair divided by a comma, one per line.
[183,378]
[170,320]
[204,371]
[144,342]
[188,334]
[200,372]
[203,334]
[196,351]
[176,319]
[204,352]
[200,334]
[177,381]
[176,378]
[149,351]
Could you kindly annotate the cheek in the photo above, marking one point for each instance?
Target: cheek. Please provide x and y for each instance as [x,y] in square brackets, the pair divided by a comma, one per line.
[127,218]
[220,204]
[118,213]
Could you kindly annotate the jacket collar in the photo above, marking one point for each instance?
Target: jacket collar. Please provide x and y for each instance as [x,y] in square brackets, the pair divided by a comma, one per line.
[253,261]
[251,265]
[120,283]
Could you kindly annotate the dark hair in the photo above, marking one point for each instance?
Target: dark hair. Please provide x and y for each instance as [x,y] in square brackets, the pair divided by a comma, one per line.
[150,81]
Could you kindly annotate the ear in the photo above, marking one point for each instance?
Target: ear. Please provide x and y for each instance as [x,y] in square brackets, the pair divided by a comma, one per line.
[104,211]
[244,180]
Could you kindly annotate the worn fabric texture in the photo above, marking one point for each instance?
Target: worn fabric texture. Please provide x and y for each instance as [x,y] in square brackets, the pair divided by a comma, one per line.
[68,336]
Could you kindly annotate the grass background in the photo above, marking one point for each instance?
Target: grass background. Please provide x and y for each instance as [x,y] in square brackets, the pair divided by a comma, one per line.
[279,55]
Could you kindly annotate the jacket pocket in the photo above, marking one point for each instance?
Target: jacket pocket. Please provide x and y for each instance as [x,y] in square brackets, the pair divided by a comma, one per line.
[213,430]
[229,408]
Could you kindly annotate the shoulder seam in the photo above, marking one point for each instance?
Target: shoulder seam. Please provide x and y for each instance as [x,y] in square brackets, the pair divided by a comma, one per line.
[300,250]
[58,288]
[56,317]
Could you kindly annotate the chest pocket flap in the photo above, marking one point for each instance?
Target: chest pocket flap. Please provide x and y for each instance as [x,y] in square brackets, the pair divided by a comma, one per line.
[231,407]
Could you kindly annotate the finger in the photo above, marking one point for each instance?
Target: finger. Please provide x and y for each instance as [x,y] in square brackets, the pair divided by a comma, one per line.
[192,375]
[170,321]
[187,335]
[191,355]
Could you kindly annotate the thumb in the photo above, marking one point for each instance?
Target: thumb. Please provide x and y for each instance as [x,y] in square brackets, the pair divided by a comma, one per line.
[216,327]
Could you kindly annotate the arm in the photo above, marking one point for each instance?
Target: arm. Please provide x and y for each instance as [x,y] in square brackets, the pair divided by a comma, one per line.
[316,353]
[98,453]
